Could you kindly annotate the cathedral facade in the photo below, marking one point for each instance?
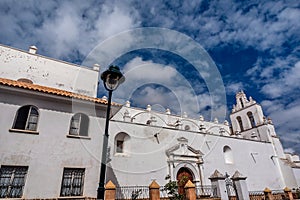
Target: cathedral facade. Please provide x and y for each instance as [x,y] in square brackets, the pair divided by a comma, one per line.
[52,127]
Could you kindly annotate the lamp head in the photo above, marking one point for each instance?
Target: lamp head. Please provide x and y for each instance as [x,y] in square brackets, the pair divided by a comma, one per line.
[112,78]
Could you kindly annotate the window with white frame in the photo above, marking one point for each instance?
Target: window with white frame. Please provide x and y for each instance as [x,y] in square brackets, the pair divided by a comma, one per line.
[72,182]
[79,125]
[26,118]
[12,181]
[122,142]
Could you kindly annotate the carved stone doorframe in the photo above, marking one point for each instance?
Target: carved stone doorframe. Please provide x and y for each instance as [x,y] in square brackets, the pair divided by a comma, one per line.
[183,155]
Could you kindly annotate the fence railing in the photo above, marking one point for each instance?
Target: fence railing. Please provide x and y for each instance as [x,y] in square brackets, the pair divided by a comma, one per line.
[142,192]
[277,192]
[256,195]
[132,192]
[206,191]
[192,191]
[163,192]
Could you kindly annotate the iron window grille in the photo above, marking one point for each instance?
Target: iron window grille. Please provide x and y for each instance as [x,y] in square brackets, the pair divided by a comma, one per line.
[12,181]
[72,182]
[79,125]
[27,118]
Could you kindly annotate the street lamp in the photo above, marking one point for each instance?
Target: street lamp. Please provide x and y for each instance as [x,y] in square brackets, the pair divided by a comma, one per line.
[111,78]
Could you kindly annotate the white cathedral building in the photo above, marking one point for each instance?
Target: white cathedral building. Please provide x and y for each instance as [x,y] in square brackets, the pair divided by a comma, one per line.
[52,127]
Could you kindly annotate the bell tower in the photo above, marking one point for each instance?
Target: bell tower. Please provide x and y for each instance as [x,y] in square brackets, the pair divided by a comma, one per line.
[246,114]
[248,122]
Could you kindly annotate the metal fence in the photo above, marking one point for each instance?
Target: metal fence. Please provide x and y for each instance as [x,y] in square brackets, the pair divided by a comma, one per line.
[256,195]
[142,192]
[163,192]
[206,191]
[278,194]
[132,192]
[259,195]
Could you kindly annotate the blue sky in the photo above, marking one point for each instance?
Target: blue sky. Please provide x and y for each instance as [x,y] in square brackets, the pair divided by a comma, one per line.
[254,44]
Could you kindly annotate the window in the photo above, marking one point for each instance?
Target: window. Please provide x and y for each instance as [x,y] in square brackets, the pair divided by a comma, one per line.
[242,104]
[239,119]
[12,181]
[26,118]
[72,182]
[251,118]
[122,143]
[187,127]
[120,148]
[228,155]
[79,125]
[25,80]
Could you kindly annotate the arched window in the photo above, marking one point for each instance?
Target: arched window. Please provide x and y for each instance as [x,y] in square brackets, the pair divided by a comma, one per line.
[251,118]
[79,125]
[25,80]
[228,157]
[242,103]
[26,118]
[239,119]
[122,143]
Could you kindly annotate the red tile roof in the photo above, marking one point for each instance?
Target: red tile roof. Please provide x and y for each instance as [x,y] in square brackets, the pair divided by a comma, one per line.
[50,90]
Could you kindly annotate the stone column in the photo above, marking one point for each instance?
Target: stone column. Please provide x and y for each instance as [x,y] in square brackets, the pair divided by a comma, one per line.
[218,180]
[110,191]
[240,185]
[171,163]
[268,194]
[288,193]
[154,191]
[200,168]
[190,191]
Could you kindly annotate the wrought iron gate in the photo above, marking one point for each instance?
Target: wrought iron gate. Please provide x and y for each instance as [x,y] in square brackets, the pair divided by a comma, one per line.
[230,188]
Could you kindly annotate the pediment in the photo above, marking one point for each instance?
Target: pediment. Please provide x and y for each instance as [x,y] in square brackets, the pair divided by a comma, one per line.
[182,149]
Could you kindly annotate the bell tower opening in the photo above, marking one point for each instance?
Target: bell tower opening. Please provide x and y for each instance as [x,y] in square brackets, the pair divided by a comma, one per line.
[239,119]
[251,119]
[242,103]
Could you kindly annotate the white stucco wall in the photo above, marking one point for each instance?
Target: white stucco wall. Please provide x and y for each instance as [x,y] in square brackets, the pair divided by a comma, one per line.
[47,153]
[147,158]
[16,64]
[296,172]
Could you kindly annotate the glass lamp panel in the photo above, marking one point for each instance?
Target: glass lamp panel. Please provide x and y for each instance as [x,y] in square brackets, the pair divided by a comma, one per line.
[112,81]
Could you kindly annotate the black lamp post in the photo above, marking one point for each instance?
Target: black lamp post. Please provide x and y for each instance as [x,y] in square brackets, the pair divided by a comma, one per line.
[111,78]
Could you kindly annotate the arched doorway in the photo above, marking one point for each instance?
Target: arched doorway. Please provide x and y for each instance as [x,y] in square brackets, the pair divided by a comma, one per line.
[183,176]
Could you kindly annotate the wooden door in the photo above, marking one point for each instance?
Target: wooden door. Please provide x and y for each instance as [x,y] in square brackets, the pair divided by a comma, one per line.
[183,176]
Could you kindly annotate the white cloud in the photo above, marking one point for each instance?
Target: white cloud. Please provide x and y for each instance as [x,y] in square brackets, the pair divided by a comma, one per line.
[285,118]
[162,85]
[113,20]
[63,28]
[289,150]
[284,84]
[233,88]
